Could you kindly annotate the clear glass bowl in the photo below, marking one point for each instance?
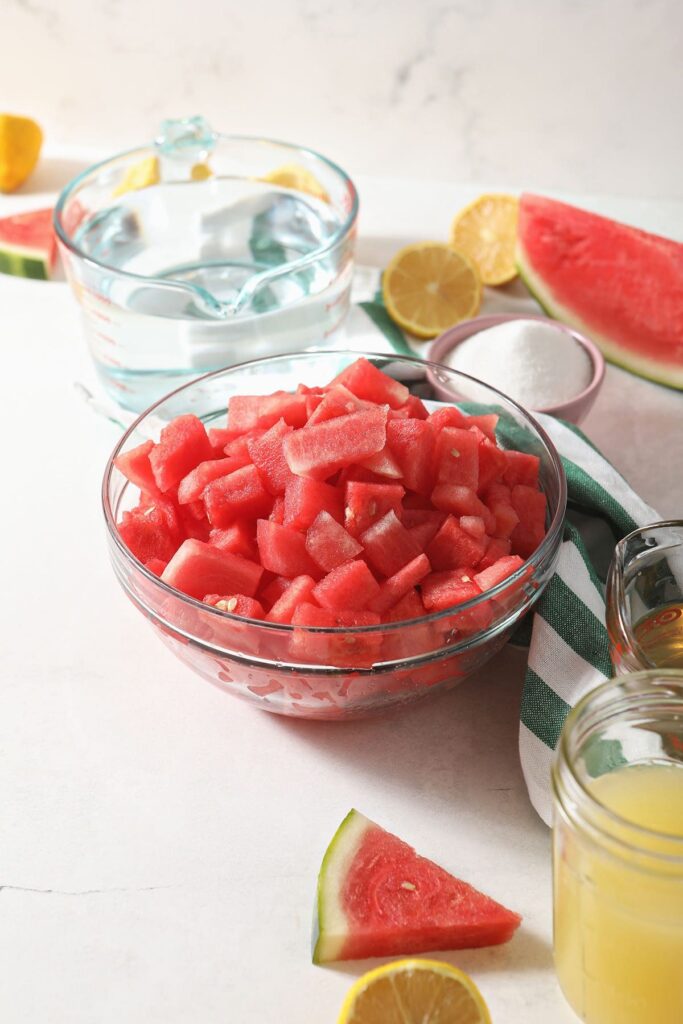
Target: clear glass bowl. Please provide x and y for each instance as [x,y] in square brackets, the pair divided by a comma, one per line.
[333,673]
[233,245]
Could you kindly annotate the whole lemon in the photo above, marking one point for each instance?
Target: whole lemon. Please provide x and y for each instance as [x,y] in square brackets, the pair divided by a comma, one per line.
[20,142]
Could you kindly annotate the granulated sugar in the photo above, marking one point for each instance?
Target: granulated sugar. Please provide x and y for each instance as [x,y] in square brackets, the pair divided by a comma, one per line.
[536,364]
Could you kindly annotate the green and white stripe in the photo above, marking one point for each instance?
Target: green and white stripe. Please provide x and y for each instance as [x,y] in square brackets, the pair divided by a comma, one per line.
[569,652]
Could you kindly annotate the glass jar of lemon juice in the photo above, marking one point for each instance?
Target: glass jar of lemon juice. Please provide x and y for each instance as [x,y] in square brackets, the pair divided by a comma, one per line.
[618,852]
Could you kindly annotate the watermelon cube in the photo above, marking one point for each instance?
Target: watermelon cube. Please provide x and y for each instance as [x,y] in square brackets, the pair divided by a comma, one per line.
[219,437]
[409,607]
[282,550]
[388,545]
[192,486]
[506,518]
[443,590]
[343,648]
[248,411]
[412,442]
[183,444]
[272,588]
[336,401]
[496,548]
[457,457]
[486,423]
[147,534]
[453,547]
[299,591]
[305,498]
[401,583]
[499,571]
[413,640]
[198,569]
[236,604]
[267,455]
[238,447]
[136,467]
[365,503]
[238,495]
[462,501]
[320,450]
[383,464]
[156,565]
[521,468]
[277,513]
[239,538]
[415,408]
[474,525]
[447,416]
[365,381]
[530,506]
[348,587]
[491,463]
[329,544]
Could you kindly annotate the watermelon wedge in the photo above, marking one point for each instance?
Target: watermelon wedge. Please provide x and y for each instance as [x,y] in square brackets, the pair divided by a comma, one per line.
[28,247]
[378,897]
[621,286]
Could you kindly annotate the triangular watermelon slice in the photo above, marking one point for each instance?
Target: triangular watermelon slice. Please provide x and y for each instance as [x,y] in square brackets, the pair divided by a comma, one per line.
[378,897]
[28,247]
[621,286]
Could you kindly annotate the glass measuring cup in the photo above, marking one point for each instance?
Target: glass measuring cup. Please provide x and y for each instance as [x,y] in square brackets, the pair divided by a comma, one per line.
[202,250]
[645,599]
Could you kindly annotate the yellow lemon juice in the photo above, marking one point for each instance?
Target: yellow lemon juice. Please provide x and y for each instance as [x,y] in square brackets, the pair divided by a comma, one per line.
[619,905]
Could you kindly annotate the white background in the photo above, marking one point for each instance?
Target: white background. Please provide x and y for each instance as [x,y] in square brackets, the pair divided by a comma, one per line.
[576,95]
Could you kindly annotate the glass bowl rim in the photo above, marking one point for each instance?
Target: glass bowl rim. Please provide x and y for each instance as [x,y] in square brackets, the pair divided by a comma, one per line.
[547,544]
[71,188]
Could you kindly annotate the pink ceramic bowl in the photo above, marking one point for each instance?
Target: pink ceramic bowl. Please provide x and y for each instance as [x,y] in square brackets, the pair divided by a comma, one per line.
[573,410]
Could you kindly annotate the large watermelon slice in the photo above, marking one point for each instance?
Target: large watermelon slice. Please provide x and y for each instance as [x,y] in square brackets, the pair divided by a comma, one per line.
[621,286]
[378,897]
[28,247]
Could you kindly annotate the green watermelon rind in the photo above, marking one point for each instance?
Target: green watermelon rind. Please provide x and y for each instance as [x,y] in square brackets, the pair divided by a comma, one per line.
[330,926]
[23,262]
[668,374]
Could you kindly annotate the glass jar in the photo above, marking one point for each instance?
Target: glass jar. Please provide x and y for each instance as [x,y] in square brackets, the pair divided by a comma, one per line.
[618,852]
[645,599]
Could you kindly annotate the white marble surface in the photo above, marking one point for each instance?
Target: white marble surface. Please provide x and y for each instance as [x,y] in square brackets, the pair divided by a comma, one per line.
[159,842]
[540,94]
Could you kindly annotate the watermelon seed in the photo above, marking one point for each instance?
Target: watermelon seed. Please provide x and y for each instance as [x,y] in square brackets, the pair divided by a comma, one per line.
[466,579]
[408,885]
[455,453]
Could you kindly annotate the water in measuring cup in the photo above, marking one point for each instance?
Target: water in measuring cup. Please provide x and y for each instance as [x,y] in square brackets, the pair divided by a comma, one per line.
[218,237]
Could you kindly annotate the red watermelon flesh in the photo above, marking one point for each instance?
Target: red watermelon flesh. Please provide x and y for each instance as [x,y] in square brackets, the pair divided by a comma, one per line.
[320,450]
[183,444]
[378,897]
[28,247]
[621,286]
[365,381]
[199,569]
[136,467]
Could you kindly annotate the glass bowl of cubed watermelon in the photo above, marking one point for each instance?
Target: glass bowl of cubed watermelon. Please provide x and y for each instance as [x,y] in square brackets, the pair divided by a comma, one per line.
[340,542]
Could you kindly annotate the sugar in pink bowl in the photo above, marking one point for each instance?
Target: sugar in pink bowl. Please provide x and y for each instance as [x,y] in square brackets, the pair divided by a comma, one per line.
[573,409]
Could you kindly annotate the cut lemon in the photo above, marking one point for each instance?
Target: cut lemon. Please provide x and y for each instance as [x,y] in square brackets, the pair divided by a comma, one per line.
[20,142]
[298,178]
[486,231]
[140,175]
[414,992]
[428,287]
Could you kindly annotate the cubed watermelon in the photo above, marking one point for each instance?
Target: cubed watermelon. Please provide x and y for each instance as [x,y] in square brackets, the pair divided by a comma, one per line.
[239,495]
[305,498]
[350,586]
[297,593]
[462,501]
[267,455]
[499,571]
[343,648]
[329,544]
[277,513]
[238,448]
[388,545]
[443,590]
[219,437]
[336,401]
[198,569]
[457,457]
[383,464]
[147,534]
[491,463]
[248,411]
[272,588]
[486,423]
[397,586]
[365,381]
[474,525]
[183,444]
[236,604]
[412,441]
[496,548]
[530,505]
[136,467]
[452,547]
[239,537]
[521,468]
[415,408]
[447,416]
[365,503]
[192,486]
[322,449]
[282,550]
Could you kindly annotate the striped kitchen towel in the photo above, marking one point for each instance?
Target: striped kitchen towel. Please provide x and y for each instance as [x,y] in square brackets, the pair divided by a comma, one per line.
[569,650]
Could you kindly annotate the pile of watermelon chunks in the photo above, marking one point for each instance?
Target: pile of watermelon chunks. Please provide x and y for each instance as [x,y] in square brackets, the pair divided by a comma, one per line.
[340,506]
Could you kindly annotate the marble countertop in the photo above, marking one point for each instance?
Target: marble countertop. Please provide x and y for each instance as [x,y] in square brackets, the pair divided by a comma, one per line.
[159,842]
